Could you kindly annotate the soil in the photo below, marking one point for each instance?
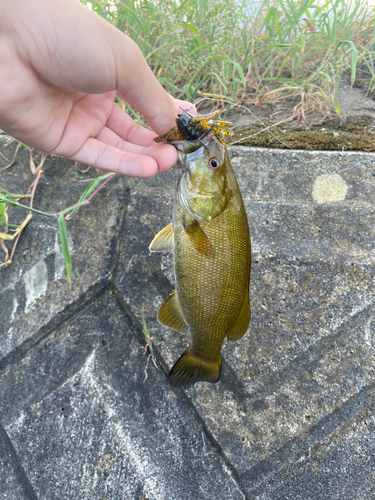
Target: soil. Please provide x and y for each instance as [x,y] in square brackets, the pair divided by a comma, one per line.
[286,124]
[283,125]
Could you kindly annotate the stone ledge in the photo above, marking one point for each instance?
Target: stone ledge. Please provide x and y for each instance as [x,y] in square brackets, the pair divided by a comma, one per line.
[296,391]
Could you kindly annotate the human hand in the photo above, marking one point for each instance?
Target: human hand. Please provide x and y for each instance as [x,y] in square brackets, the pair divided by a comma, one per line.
[61,66]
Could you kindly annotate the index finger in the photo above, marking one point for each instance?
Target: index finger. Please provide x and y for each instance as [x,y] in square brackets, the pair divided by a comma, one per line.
[125,127]
[138,86]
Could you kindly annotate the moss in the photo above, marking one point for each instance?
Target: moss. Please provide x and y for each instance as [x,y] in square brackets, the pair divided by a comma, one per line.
[350,134]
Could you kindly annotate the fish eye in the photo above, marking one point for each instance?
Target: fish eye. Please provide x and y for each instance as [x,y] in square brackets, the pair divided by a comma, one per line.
[215,164]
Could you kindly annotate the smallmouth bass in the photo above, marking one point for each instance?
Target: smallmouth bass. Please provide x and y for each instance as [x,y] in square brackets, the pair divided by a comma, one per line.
[210,239]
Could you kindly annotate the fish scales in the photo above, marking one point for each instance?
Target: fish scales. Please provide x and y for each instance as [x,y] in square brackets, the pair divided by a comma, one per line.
[210,239]
[215,281]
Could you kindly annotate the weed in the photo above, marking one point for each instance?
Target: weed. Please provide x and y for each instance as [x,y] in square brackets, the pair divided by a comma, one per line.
[264,51]
[12,232]
[149,346]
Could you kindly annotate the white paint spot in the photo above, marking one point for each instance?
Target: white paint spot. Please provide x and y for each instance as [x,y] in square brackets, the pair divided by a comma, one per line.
[59,258]
[329,188]
[36,281]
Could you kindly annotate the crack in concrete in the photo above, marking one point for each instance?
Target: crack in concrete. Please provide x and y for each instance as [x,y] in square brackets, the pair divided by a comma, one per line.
[299,449]
[19,471]
[180,393]
[61,318]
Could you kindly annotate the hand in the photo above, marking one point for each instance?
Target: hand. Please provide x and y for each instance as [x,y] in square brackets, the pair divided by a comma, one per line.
[61,66]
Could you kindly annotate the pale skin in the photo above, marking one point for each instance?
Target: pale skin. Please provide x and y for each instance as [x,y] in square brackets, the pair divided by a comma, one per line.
[61,66]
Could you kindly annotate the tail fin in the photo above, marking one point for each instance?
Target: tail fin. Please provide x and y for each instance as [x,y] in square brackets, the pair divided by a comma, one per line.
[190,369]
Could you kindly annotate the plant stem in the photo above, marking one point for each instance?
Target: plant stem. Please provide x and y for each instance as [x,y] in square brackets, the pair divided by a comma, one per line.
[99,188]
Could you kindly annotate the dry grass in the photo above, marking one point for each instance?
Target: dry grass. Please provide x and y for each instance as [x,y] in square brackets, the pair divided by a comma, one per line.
[266,52]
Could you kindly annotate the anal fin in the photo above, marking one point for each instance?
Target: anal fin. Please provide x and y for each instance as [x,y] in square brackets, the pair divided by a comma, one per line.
[170,314]
[164,240]
[239,328]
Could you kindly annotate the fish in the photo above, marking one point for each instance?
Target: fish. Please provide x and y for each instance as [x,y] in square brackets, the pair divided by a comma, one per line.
[192,128]
[210,238]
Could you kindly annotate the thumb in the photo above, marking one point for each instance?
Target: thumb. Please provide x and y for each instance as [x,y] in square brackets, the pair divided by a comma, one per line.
[139,87]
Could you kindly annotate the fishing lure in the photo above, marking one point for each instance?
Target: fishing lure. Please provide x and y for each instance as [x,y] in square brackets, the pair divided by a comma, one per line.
[193,128]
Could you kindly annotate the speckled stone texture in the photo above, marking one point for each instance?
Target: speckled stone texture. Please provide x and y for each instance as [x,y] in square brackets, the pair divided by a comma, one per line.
[34,291]
[86,424]
[293,415]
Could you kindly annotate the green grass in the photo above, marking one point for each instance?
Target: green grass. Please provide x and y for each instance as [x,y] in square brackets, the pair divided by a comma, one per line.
[269,50]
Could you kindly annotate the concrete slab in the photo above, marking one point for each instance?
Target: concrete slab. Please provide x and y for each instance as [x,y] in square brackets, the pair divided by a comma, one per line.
[86,424]
[335,460]
[309,346]
[14,483]
[34,290]
[292,416]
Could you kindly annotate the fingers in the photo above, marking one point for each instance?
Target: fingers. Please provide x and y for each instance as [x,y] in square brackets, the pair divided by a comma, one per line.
[126,128]
[124,147]
[162,122]
[107,157]
[164,154]
[139,87]
[108,136]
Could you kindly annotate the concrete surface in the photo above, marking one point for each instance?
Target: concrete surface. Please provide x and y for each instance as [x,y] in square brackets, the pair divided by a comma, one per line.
[84,415]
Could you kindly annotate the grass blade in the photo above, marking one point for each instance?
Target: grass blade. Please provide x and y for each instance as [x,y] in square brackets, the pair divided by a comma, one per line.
[3,215]
[240,72]
[146,332]
[63,233]
[88,191]
[84,196]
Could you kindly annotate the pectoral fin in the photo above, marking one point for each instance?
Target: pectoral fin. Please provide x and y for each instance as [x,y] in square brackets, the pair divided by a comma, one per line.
[170,314]
[197,236]
[242,322]
[164,240]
